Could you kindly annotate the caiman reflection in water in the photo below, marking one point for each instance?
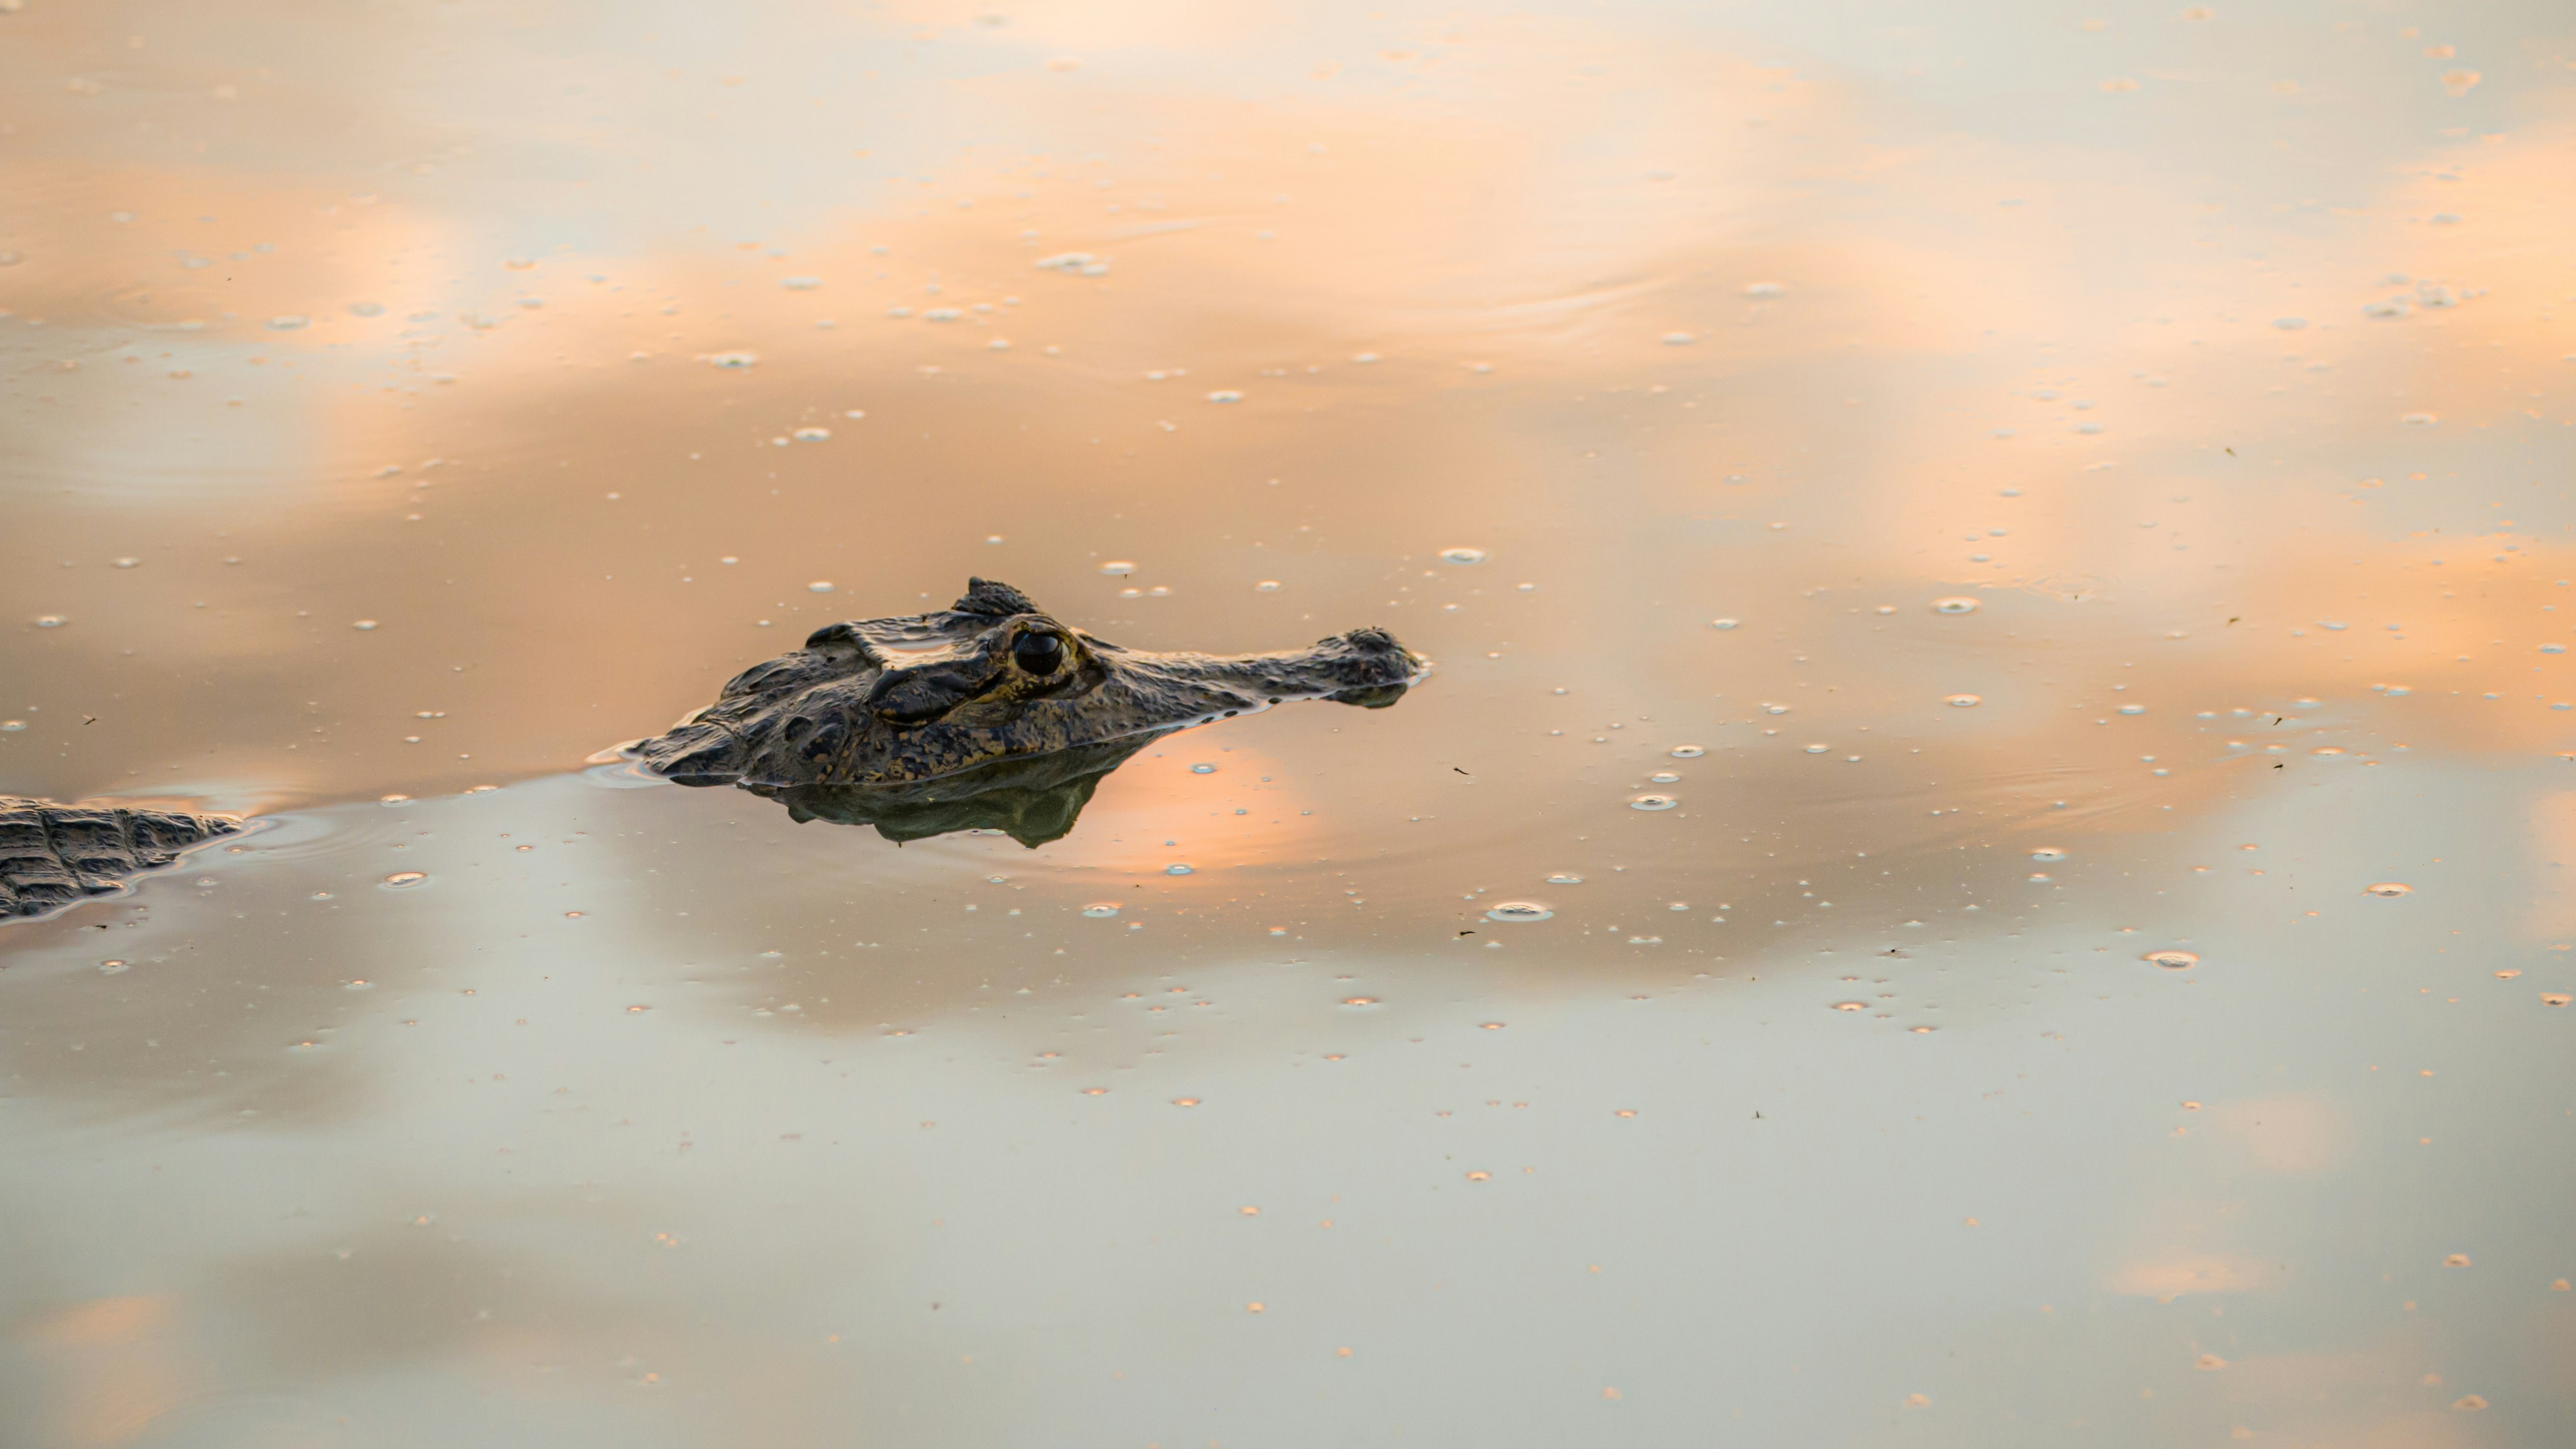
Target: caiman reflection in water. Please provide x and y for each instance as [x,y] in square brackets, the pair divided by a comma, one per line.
[986,715]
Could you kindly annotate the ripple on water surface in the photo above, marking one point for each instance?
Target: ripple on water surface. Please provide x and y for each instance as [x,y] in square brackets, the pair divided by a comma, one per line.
[1518,911]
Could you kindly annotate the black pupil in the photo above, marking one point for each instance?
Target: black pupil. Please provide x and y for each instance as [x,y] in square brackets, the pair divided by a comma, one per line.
[1038,653]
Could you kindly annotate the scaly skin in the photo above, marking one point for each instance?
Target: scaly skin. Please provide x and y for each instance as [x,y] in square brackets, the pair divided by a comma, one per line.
[883,703]
[53,856]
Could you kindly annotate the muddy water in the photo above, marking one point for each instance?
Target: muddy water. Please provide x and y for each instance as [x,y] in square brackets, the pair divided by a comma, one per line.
[2066,515]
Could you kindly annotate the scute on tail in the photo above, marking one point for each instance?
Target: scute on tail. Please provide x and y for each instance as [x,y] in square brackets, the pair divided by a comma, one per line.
[53,856]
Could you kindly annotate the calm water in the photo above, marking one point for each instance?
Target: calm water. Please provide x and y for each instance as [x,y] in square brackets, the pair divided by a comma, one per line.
[2036,493]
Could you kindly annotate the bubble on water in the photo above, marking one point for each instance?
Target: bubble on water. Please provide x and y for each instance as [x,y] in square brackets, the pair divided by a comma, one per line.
[800,284]
[1678,339]
[1359,1001]
[1118,568]
[1723,623]
[2133,709]
[1775,709]
[392,800]
[2469,1403]
[1202,769]
[819,586]
[51,621]
[1688,752]
[1267,586]
[2210,1362]
[813,435]
[2389,888]
[111,968]
[363,625]
[1101,910]
[1963,701]
[1653,802]
[2171,960]
[1225,395]
[290,322]
[1851,1006]
[2455,1260]
[1517,911]
[2048,852]
[402,878]
[2419,420]
[1818,749]
[1765,289]
[1922,1030]
[360,984]
[125,563]
[1565,878]
[1665,777]
[1954,605]
[1462,555]
[2554,998]
[2553,648]
[2327,750]
[12,726]
[1179,870]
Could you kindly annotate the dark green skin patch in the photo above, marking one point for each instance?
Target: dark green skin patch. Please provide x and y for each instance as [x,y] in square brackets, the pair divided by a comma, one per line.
[978,695]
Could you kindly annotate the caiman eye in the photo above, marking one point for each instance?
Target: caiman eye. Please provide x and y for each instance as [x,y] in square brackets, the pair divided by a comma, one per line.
[1038,653]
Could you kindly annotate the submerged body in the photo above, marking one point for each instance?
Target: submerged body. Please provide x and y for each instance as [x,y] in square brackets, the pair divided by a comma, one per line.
[53,856]
[896,722]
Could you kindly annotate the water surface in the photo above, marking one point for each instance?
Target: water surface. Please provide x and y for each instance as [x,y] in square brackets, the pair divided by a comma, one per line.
[2059,513]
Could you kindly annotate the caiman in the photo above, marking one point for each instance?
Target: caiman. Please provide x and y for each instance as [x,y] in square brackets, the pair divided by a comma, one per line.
[990,714]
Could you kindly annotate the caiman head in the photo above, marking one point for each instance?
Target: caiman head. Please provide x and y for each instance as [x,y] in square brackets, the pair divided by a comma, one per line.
[990,685]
